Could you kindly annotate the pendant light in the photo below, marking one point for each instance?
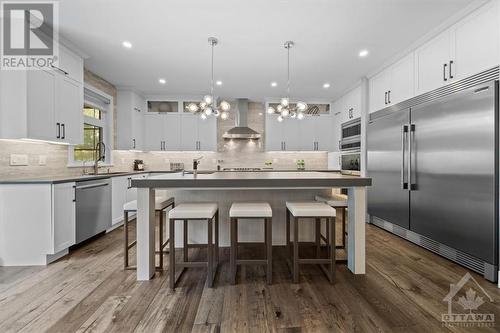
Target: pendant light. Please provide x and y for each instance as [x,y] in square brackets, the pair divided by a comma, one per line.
[285,109]
[208,106]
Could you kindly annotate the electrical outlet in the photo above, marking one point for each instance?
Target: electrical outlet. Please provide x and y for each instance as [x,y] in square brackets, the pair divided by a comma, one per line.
[42,160]
[17,159]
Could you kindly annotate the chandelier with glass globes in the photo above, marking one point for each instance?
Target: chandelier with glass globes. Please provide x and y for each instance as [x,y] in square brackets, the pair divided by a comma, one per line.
[208,106]
[285,109]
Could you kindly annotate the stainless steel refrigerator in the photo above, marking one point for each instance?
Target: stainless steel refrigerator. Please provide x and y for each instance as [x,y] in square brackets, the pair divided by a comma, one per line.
[434,166]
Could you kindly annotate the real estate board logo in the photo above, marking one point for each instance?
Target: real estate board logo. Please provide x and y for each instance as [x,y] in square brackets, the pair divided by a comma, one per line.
[29,38]
[467,296]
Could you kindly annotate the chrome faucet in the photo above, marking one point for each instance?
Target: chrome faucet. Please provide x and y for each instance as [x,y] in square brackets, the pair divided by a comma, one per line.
[100,149]
[196,161]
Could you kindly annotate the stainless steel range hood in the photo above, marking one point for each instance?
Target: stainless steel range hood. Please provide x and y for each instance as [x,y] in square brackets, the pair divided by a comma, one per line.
[241,129]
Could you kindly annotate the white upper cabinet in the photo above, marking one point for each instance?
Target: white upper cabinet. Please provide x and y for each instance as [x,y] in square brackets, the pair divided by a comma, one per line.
[392,85]
[349,105]
[476,42]
[467,48]
[274,133]
[69,64]
[41,103]
[308,134]
[129,117]
[154,133]
[336,128]
[189,132]
[172,136]
[207,134]
[69,103]
[379,87]
[402,76]
[432,61]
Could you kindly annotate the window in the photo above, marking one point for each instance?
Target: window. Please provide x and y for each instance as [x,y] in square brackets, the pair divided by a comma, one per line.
[97,128]
[91,136]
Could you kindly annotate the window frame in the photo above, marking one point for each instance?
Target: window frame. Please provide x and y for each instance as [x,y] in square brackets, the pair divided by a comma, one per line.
[106,122]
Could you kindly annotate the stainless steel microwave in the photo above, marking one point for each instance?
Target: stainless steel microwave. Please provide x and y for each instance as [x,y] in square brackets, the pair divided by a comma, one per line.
[350,135]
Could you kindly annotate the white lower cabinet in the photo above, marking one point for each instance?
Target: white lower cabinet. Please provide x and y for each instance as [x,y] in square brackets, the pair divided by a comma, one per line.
[119,188]
[64,216]
[121,193]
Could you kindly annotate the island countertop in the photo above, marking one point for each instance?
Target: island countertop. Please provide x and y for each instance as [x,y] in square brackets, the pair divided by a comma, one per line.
[255,180]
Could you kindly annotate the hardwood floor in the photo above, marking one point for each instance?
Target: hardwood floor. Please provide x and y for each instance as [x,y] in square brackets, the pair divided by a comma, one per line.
[88,291]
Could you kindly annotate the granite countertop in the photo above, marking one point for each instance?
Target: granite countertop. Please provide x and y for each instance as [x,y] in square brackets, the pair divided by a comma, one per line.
[78,178]
[257,180]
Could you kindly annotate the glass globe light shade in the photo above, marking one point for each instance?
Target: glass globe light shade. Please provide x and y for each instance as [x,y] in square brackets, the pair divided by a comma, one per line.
[225,106]
[280,119]
[279,107]
[192,107]
[208,111]
[203,116]
[216,113]
[208,99]
[301,106]
[293,115]
[203,105]
[270,110]
[284,101]
[285,113]
[224,115]
[300,115]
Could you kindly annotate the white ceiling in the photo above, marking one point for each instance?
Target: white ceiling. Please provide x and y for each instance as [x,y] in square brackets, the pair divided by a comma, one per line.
[170,40]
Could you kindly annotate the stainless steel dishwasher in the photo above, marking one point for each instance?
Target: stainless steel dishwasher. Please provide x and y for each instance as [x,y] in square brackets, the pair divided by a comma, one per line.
[93,208]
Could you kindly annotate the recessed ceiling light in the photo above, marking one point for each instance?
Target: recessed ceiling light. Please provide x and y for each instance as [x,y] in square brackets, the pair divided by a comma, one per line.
[127,44]
[162,81]
[326,85]
[363,53]
[219,83]
[274,84]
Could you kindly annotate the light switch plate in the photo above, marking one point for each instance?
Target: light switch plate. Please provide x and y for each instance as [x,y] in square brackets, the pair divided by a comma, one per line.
[42,160]
[18,159]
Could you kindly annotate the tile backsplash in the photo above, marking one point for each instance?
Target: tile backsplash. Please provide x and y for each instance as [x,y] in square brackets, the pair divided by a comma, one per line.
[57,158]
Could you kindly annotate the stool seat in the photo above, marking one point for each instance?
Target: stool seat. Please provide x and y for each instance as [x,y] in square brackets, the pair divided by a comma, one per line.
[250,209]
[204,210]
[160,204]
[335,201]
[310,209]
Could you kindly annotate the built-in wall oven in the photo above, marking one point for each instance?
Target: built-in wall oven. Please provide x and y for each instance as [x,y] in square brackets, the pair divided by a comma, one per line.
[350,147]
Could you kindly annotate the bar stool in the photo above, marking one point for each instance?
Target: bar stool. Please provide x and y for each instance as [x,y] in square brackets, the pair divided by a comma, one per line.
[339,203]
[251,210]
[198,212]
[161,203]
[316,210]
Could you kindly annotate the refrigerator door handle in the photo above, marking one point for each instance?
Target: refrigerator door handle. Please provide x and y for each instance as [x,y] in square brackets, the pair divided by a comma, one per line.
[404,134]
[412,186]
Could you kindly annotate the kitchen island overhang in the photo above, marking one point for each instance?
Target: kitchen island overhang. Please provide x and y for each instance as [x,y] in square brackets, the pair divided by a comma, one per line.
[254,181]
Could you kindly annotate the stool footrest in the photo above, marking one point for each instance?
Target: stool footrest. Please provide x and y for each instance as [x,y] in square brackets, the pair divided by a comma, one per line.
[313,261]
[131,245]
[191,264]
[251,262]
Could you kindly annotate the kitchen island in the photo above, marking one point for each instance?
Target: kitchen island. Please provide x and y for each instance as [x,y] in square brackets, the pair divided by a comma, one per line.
[225,187]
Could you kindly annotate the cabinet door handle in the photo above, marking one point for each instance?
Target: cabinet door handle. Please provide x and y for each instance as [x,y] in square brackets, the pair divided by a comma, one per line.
[133,143]
[63,127]
[444,72]
[59,69]
[74,193]
[58,136]
[389,97]
[385,98]
[449,70]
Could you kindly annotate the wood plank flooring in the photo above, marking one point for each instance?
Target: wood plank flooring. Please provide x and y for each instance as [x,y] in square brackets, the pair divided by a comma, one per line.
[88,291]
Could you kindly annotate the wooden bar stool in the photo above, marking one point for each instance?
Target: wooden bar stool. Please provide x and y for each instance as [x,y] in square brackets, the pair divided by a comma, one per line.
[161,203]
[198,212]
[317,211]
[339,203]
[251,210]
